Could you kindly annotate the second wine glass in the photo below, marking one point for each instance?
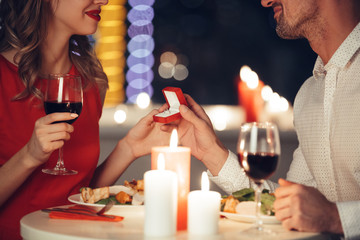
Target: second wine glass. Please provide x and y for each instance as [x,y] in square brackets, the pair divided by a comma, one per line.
[259,152]
[63,94]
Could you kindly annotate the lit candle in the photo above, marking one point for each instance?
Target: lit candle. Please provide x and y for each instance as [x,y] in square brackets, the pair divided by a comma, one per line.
[178,160]
[160,201]
[249,93]
[203,209]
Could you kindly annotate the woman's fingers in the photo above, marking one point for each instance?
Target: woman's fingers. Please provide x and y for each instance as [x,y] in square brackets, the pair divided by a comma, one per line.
[57,117]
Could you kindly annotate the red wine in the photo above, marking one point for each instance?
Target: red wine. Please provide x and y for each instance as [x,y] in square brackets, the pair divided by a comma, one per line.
[259,166]
[72,107]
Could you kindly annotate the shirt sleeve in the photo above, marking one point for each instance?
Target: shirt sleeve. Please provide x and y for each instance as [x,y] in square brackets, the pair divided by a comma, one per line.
[232,177]
[299,171]
[350,218]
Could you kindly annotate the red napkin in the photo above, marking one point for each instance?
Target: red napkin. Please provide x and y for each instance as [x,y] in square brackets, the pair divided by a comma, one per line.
[79,216]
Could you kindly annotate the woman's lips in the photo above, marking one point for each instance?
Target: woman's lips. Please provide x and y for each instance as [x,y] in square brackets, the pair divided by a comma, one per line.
[94,14]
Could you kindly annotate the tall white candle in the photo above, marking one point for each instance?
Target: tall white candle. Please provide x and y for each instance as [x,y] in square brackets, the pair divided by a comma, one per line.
[203,209]
[178,159]
[160,201]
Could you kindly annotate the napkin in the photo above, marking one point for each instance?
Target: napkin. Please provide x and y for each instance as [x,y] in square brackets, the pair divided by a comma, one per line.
[79,212]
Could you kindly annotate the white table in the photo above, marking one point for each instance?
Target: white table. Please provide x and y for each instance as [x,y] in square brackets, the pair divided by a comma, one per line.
[38,226]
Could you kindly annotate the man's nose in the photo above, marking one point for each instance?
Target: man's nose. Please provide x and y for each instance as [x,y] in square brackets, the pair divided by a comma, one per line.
[267,3]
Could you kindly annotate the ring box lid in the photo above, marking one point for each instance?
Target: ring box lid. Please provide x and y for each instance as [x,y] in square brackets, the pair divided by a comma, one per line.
[174,97]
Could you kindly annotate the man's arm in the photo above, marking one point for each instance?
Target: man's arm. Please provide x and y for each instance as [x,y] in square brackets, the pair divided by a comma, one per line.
[232,178]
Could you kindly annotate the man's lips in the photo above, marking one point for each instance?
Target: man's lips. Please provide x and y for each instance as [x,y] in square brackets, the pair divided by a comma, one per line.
[94,14]
[277,10]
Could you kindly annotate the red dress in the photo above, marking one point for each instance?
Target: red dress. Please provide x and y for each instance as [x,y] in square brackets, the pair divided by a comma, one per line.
[81,152]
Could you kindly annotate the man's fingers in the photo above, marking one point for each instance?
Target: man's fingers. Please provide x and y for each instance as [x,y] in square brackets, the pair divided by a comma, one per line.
[283,214]
[190,116]
[196,108]
[285,189]
[287,224]
[281,203]
[284,182]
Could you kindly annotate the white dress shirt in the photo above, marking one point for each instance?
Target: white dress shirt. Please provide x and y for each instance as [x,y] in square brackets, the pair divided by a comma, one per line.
[327,123]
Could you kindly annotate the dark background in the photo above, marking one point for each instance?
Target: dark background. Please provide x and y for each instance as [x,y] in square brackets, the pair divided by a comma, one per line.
[220,36]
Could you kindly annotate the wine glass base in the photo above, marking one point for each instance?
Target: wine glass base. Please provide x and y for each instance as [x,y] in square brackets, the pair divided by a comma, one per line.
[62,171]
[258,232]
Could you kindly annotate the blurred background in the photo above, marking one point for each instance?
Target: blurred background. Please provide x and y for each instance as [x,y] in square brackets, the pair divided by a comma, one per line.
[199,46]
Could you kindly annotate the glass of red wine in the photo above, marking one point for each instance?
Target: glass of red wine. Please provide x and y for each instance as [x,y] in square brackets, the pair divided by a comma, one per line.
[63,94]
[259,152]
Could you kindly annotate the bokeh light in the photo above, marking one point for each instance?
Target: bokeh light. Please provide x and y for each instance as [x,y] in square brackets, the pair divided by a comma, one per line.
[120,116]
[181,72]
[266,93]
[143,100]
[140,47]
[173,65]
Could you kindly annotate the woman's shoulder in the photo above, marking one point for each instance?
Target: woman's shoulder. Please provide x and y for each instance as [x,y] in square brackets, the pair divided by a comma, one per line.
[8,56]
[7,65]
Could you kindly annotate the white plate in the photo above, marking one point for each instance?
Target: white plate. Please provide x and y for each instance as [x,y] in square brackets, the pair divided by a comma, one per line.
[250,218]
[120,210]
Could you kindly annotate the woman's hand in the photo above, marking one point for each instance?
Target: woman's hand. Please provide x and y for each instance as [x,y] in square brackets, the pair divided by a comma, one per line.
[146,134]
[48,137]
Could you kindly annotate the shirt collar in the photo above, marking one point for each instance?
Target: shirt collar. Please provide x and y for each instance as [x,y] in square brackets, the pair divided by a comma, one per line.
[342,55]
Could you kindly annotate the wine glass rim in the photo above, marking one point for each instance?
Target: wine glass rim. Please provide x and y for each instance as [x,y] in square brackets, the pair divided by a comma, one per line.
[259,124]
[64,75]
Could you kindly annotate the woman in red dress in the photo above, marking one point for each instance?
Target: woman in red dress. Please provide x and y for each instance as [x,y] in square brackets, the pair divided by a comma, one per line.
[37,38]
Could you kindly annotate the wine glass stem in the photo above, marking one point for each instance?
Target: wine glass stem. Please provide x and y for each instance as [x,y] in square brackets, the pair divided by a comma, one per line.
[60,163]
[259,222]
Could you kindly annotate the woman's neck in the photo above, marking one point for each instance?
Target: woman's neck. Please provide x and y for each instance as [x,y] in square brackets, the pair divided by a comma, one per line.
[55,54]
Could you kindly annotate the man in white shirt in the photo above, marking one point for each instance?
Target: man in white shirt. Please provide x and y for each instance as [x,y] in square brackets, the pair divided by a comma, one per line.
[322,193]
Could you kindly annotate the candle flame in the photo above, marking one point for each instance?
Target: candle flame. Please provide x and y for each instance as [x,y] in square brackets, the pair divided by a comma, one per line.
[249,77]
[174,139]
[204,182]
[161,162]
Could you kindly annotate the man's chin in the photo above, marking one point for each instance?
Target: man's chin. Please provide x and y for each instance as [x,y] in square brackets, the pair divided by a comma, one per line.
[286,34]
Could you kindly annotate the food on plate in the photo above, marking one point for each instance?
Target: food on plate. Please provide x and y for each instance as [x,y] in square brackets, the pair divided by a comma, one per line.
[131,193]
[242,202]
[123,197]
[229,204]
[93,195]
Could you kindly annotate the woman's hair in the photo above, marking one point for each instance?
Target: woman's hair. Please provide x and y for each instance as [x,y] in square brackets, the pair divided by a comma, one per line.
[23,27]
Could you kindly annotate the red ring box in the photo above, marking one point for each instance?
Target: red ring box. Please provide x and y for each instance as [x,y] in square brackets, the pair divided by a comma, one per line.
[174,97]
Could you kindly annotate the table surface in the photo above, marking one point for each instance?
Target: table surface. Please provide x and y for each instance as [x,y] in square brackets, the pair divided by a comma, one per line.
[37,225]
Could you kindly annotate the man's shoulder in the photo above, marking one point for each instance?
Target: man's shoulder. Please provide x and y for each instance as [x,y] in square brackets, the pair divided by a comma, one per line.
[306,90]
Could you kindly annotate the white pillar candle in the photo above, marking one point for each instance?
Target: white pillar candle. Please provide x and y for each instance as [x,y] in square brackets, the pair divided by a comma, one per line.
[160,201]
[203,210]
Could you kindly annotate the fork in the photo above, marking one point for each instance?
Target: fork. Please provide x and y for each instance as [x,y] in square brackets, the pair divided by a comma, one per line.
[106,208]
[84,211]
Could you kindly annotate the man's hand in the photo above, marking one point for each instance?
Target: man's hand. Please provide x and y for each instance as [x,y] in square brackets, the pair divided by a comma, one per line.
[196,131]
[304,208]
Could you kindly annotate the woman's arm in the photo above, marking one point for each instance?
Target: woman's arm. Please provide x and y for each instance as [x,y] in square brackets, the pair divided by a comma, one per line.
[45,139]
[138,142]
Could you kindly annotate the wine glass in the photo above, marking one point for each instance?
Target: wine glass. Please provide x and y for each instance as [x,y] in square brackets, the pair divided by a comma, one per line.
[259,152]
[63,94]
